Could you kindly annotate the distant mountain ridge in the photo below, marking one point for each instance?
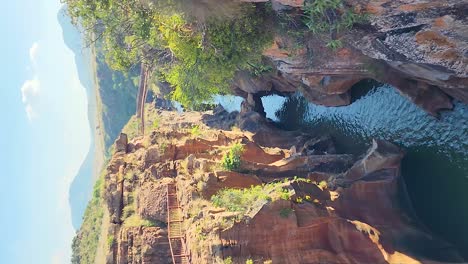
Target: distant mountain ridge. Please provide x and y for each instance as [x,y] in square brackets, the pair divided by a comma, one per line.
[117,91]
[82,185]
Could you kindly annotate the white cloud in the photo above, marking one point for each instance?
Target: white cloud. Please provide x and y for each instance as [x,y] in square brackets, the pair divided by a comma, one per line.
[30,112]
[30,89]
[59,258]
[29,92]
[33,52]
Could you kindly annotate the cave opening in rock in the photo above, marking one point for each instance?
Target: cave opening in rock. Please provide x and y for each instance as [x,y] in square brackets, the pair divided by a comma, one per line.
[435,168]
[362,88]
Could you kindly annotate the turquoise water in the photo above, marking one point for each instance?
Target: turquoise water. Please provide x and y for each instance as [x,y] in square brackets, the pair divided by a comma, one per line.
[435,168]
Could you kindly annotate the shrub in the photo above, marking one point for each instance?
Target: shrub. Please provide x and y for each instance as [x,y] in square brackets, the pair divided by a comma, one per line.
[244,200]
[249,261]
[285,194]
[232,160]
[240,200]
[195,131]
[331,17]
[323,185]
[228,260]
[334,44]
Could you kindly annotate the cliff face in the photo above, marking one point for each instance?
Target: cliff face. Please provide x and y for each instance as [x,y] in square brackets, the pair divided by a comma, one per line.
[322,206]
[417,46]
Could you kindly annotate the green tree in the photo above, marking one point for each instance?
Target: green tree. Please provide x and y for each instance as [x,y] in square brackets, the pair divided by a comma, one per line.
[197,57]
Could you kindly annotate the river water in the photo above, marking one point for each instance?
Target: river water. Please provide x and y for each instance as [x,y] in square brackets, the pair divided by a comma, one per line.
[435,168]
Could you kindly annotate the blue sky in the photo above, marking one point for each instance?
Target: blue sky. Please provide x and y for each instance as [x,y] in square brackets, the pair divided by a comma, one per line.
[44,135]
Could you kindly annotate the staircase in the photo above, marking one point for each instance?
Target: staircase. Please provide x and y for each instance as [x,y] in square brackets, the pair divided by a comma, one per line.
[174,225]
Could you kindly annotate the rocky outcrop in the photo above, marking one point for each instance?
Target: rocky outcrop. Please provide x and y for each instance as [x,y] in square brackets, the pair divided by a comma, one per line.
[151,201]
[331,207]
[121,143]
[357,222]
[145,245]
[419,47]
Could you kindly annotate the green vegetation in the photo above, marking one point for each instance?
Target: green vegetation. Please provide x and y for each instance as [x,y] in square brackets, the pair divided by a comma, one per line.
[323,185]
[127,211]
[208,60]
[197,57]
[134,221]
[260,69]
[85,243]
[249,261]
[117,91]
[110,241]
[240,200]
[228,260]
[285,194]
[130,218]
[330,17]
[131,128]
[155,124]
[334,44]
[152,121]
[244,200]
[195,131]
[232,159]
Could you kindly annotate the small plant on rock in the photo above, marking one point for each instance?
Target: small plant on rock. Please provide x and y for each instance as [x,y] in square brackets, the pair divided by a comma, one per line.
[195,131]
[330,17]
[285,194]
[232,159]
[334,44]
[110,241]
[323,185]
[228,260]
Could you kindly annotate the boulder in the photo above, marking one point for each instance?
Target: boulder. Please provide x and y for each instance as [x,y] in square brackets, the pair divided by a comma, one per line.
[382,155]
[121,143]
[145,245]
[151,202]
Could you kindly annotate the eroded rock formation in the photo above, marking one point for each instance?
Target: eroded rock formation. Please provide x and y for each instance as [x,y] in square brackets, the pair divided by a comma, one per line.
[419,47]
[340,208]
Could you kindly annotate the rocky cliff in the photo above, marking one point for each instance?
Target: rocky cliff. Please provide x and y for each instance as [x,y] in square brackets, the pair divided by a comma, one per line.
[419,47]
[289,197]
[311,204]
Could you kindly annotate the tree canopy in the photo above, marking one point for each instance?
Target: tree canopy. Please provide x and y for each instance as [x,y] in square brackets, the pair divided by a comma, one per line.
[198,57]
